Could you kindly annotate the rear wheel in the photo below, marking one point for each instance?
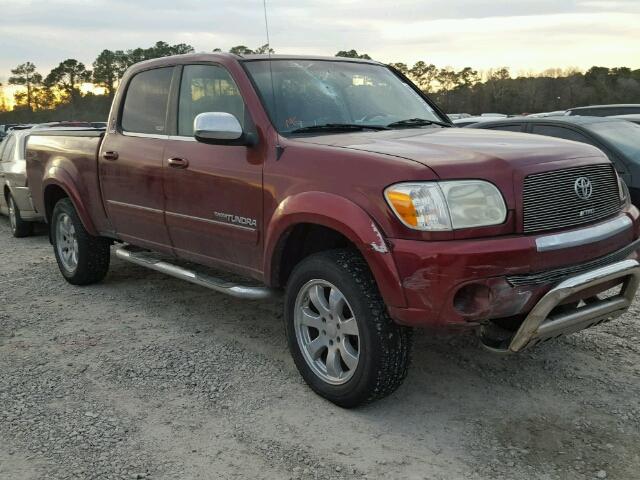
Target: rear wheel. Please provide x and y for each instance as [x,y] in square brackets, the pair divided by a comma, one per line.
[19,228]
[82,258]
[341,337]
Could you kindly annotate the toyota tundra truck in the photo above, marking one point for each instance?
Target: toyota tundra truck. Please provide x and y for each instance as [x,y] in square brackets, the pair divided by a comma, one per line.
[340,183]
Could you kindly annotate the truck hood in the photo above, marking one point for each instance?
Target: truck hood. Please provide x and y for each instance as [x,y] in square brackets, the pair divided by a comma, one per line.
[463,153]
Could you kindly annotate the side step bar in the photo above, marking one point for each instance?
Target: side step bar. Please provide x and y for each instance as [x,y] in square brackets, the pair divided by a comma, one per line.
[147,259]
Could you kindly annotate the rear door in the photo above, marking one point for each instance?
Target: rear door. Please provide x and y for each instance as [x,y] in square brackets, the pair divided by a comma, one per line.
[131,161]
[6,154]
[213,192]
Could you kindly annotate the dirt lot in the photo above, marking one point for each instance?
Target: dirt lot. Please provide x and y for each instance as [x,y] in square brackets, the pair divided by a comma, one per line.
[144,376]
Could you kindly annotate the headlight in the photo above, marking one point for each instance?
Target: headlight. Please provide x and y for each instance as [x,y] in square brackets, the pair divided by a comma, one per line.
[448,205]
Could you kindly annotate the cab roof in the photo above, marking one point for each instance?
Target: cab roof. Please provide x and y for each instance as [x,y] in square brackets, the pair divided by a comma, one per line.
[224,56]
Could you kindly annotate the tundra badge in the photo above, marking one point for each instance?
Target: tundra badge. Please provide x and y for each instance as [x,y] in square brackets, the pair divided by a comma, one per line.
[236,220]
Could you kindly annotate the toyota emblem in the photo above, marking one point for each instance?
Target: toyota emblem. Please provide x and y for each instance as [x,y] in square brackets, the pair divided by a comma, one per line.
[583,188]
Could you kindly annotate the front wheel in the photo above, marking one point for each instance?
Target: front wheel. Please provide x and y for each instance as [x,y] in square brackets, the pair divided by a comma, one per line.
[341,337]
[82,258]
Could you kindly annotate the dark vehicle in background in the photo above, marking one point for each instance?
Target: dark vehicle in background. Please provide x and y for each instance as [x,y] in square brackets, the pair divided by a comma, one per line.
[632,117]
[338,181]
[618,139]
[605,110]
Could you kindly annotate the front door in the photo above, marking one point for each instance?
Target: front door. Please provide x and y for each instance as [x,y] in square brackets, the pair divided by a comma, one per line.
[131,162]
[213,192]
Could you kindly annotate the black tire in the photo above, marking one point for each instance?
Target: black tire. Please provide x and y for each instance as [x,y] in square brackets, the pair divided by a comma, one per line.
[384,345]
[93,252]
[19,228]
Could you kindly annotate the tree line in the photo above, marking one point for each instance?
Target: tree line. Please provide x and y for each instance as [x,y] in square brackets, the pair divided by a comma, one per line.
[58,95]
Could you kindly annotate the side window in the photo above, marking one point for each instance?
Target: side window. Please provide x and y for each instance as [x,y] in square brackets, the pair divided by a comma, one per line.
[560,132]
[7,153]
[508,128]
[207,88]
[145,104]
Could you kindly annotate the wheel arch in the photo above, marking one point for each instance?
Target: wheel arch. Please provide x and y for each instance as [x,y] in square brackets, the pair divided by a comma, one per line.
[315,221]
[54,190]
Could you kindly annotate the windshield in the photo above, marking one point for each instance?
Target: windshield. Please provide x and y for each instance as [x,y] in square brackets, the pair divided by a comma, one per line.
[308,93]
[625,136]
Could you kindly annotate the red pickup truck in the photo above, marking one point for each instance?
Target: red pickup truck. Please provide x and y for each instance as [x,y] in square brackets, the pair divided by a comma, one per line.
[340,182]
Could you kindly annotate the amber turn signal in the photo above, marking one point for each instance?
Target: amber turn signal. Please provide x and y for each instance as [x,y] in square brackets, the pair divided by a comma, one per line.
[402,204]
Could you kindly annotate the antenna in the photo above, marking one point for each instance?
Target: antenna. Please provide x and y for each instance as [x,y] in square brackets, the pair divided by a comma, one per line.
[279,148]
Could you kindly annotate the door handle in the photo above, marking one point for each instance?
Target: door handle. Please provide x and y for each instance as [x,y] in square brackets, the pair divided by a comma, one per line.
[110,155]
[178,162]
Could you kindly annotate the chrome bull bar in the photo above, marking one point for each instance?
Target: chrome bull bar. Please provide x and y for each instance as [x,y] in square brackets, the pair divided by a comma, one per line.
[541,324]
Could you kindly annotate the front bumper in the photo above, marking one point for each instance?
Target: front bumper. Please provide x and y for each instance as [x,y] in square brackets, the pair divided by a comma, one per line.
[465,283]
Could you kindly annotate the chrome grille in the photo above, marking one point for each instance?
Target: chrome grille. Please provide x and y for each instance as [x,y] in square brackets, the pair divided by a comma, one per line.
[550,200]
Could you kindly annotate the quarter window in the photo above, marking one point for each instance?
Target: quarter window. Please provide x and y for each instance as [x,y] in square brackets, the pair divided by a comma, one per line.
[207,88]
[145,106]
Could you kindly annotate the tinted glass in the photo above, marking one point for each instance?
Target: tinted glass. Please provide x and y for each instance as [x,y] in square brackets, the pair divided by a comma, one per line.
[207,88]
[7,153]
[560,132]
[313,92]
[623,136]
[145,106]
[507,128]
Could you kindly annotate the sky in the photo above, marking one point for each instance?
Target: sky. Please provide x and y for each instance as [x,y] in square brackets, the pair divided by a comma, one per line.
[525,35]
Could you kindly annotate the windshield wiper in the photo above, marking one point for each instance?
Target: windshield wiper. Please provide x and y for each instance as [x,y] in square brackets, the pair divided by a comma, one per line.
[338,127]
[416,122]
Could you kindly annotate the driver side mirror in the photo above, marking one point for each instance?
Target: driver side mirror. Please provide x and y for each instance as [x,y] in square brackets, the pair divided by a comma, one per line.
[221,128]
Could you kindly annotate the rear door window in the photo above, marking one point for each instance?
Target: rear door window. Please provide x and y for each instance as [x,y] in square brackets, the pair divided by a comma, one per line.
[145,104]
[207,88]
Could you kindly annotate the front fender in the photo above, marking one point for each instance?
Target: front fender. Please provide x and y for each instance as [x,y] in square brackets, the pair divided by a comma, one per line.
[344,216]
[57,176]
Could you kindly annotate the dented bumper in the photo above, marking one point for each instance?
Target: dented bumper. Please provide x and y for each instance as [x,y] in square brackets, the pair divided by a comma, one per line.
[465,283]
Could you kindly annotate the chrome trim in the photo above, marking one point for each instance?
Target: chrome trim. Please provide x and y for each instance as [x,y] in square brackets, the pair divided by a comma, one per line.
[540,324]
[146,259]
[583,236]
[181,138]
[136,207]
[146,135]
[207,220]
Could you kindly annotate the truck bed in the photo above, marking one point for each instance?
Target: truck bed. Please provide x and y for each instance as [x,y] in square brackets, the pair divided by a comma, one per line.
[70,154]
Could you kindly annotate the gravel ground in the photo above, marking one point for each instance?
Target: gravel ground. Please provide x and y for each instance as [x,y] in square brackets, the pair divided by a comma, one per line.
[144,376]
